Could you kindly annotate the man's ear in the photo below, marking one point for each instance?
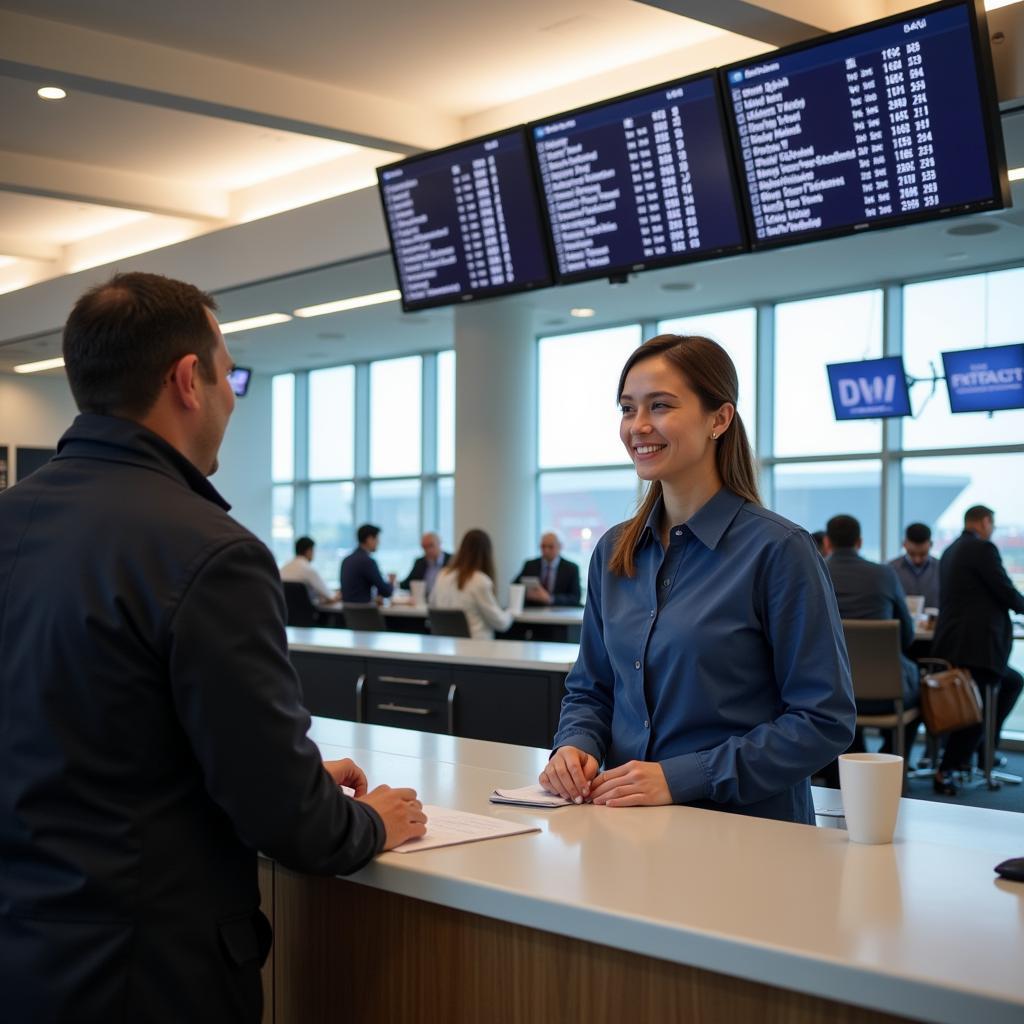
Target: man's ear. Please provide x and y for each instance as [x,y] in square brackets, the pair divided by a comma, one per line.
[184,382]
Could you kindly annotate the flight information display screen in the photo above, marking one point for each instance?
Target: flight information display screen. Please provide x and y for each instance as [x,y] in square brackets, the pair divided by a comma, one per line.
[639,182]
[464,222]
[884,124]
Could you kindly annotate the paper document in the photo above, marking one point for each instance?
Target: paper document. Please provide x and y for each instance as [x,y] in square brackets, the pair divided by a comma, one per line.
[529,796]
[446,827]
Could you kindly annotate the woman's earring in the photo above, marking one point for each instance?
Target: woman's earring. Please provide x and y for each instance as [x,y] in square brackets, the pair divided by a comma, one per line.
[714,435]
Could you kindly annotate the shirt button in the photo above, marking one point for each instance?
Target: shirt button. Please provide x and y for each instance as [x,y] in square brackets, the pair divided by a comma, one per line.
[666,583]
[679,533]
[647,724]
[636,664]
[652,613]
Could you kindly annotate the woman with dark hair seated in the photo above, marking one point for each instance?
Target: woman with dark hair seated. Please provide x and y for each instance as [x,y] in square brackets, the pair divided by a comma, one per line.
[466,583]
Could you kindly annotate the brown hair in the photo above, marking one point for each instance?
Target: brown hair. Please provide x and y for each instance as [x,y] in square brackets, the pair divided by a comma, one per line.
[124,335]
[711,375]
[475,554]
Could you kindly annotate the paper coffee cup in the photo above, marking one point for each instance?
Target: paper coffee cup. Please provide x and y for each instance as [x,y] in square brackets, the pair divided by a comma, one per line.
[418,590]
[516,598]
[871,785]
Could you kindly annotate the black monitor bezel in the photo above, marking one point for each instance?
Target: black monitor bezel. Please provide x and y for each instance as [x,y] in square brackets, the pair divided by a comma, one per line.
[248,380]
[878,416]
[949,392]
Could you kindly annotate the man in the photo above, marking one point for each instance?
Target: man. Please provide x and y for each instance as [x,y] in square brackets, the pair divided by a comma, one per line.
[559,579]
[433,561]
[867,590]
[153,738]
[974,630]
[361,580]
[300,570]
[916,569]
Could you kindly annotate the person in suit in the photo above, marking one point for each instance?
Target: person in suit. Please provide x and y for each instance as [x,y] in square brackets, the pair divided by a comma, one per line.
[426,568]
[466,583]
[867,590]
[361,581]
[300,570]
[974,631]
[154,736]
[917,569]
[559,578]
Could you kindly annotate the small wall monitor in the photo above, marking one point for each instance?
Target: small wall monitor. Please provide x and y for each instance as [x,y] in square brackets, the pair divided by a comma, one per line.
[881,125]
[239,378]
[985,379]
[869,389]
[464,222]
[641,181]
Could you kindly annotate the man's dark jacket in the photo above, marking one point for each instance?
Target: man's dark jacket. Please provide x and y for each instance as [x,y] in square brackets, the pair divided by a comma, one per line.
[152,740]
[419,569]
[567,580]
[974,629]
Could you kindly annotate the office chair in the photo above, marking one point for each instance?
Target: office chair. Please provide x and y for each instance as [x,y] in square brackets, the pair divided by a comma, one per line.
[301,610]
[364,617]
[448,622]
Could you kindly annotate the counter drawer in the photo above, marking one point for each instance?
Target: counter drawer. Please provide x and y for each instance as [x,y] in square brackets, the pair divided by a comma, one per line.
[405,712]
[408,680]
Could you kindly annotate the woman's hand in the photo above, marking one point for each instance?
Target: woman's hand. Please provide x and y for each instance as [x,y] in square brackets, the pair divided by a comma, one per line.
[347,773]
[634,784]
[568,774]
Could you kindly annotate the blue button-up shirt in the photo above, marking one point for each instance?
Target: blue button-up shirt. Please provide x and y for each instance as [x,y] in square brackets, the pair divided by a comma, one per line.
[722,659]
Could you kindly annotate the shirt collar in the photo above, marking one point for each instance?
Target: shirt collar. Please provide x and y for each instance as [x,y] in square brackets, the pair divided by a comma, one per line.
[708,524]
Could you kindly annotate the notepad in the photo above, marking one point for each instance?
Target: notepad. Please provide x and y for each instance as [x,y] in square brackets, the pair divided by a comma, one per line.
[529,796]
[446,827]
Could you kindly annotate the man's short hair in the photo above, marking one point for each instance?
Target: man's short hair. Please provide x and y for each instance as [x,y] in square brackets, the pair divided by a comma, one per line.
[819,539]
[842,531]
[918,533]
[366,531]
[304,544]
[976,513]
[125,334]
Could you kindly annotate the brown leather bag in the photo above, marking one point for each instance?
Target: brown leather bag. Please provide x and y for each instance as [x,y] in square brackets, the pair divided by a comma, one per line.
[950,700]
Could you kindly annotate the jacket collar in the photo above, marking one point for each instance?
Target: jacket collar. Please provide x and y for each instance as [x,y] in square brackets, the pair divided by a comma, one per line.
[113,439]
[708,524]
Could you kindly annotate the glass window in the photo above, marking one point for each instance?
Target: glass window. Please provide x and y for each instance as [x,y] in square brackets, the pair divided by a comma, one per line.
[958,313]
[282,524]
[810,494]
[395,508]
[282,427]
[578,375]
[446,412]
[808,335]
[736,331]
[583,505]
[396,413]
[332,526]
[446,512]
[332,423]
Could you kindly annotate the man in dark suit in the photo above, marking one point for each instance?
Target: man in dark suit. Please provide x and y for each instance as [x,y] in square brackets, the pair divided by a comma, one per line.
[433,561]
[153,735]
[361,580]
[974,629]
[559,579]
[867,590]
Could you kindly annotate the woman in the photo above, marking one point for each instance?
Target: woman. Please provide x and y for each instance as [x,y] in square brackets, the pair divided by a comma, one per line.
[712,667]
[467,583]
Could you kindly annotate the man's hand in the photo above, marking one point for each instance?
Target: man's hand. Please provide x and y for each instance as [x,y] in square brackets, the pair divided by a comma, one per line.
[347,773]
[569,774]
[401,813]
[539,595]
[634,784]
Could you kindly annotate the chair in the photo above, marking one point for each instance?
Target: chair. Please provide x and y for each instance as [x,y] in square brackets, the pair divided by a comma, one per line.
[874,649]
[364,617]
[301,610]
[448,622]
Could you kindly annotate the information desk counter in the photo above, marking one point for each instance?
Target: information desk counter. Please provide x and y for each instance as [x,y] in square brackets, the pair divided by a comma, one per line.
[503,690]
[654,914]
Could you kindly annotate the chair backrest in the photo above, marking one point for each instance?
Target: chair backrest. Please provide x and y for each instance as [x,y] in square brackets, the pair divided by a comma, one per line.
[448,622]
[301,611]
[364,617]
[874,649]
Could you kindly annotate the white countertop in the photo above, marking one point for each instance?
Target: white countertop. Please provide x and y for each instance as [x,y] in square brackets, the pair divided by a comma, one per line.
[530,616]
[515,654]
[922,928]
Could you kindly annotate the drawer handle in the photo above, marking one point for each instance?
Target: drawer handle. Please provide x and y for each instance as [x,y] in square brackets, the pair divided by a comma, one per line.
[406,682]
[402,709]
[360,698]
[451,708]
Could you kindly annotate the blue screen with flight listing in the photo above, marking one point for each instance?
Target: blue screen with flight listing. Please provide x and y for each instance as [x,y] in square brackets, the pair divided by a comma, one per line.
[869,389]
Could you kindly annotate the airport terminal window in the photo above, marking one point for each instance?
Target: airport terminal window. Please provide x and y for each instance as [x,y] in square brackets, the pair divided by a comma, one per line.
[282,522]
[446,411]
[445,524]
[282,427]
[808,335]
[395,508]
[959,313]
[332,525]
[396,403]
[332,423]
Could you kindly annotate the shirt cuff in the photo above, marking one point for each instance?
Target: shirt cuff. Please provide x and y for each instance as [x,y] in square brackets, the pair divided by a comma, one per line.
[582,742]
[686,778]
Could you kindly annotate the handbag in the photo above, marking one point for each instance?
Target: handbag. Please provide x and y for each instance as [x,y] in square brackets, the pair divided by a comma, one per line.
[950,700]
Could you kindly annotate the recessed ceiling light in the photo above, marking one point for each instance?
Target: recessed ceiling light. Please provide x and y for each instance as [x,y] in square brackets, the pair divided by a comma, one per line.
[582,311]
[51,92]
[43,364]
[252,322]
[355,302]
[1016,174]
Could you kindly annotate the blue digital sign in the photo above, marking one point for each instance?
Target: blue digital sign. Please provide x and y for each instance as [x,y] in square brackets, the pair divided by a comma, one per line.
[869,389]
[985,379]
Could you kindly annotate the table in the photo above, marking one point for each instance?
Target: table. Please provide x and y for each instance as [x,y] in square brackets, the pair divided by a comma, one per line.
[656,914]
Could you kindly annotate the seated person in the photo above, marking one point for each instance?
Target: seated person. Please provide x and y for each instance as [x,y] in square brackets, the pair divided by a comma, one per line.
[467,583]
[867,590]
[819,542]
[434,559]
[917,569]
[361,581]
[559,579]
[300,570]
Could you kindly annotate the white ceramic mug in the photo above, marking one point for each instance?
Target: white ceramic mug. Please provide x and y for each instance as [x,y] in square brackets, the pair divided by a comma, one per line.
[871,785]
[418,590]
[516,597]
